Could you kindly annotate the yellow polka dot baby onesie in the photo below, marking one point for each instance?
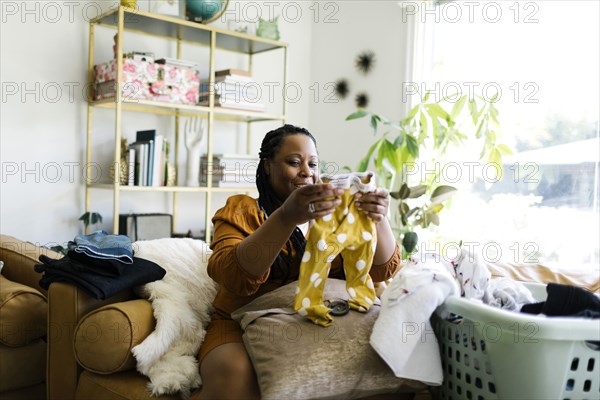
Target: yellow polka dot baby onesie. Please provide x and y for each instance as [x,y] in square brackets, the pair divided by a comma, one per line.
[349,232]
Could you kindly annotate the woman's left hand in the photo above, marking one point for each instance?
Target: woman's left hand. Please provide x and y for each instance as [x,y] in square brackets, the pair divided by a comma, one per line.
[374,204]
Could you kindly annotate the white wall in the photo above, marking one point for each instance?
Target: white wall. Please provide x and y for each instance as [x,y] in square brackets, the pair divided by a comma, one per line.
[357,26]
[43,112]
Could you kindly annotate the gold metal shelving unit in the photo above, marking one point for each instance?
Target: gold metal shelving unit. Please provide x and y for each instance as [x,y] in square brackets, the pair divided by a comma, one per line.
[125,20]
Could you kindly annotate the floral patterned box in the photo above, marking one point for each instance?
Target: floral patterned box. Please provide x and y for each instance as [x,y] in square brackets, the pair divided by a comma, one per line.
[148,81]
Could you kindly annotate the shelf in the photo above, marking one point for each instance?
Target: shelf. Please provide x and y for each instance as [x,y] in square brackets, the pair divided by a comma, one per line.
[183,110]
[193,32]
[169,189]
[126,20]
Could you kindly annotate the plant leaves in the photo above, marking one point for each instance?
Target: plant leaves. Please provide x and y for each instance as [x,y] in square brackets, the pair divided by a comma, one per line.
[403,210]
[482,128]
[374,120]
[433,218]
[436,111]
[395,125]
[404,191]
[413,112]
[413,146]
[96,218]
[496,158]
[357,114]
[364,163]
[504,149]
[473,111]
[410,241]
[436,208]
[412,211]
[417,191]
[399,140]
[423,127]
[458,107]
[387,151]
[442,193]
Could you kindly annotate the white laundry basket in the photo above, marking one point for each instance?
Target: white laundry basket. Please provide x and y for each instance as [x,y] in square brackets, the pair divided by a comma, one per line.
[490,353]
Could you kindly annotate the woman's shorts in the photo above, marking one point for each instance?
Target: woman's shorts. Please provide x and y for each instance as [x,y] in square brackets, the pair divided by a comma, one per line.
[219,331]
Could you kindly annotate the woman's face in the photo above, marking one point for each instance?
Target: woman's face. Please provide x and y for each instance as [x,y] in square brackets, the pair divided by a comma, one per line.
[295,165]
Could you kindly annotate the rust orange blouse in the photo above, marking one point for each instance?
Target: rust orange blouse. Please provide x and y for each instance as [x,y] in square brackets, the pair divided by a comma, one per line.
[239,218]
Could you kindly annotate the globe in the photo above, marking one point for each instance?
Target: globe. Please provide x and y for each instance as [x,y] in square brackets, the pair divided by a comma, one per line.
[205,10]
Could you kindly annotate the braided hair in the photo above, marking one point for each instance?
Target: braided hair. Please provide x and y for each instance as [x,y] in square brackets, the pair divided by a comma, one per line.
[268,200]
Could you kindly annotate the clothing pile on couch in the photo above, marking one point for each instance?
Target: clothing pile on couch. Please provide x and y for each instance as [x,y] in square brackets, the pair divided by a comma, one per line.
[101,264]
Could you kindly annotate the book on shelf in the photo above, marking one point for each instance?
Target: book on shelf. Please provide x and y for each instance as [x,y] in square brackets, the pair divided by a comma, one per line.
[156,159]
[232,71]
[149,154]
[232,97]
[230,170]
[140,151]
[130,166]
[232,90]
[230,162]
[233,75]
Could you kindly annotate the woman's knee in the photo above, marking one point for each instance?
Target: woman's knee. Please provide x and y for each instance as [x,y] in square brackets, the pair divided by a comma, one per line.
[227,372]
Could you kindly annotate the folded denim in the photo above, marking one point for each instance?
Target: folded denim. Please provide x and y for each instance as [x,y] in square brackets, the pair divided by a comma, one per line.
[104,246]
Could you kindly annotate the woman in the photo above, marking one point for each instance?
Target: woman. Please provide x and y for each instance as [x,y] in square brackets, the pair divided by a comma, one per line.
[258,245]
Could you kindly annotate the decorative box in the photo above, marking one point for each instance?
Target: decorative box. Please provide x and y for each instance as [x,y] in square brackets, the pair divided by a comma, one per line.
[148,81]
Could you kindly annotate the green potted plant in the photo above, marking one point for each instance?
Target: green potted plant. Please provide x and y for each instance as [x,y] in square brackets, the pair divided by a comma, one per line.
[88,218]
[397,150]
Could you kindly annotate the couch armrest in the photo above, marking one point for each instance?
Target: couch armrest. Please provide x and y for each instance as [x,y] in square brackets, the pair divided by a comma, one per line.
[587,278]
[105,337]
[19,258]
[67,304]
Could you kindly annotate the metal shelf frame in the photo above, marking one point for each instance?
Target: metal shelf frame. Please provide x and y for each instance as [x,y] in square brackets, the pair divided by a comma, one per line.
[127,20]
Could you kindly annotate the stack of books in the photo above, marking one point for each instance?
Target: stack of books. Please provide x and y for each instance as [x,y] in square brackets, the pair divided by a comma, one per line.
[229,170]
[233,88]
[147,158]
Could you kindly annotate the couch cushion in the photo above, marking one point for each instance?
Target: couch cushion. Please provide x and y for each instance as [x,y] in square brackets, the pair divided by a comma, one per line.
[104,337]
[22,366]
[297,359]
[23,312]
[119,386]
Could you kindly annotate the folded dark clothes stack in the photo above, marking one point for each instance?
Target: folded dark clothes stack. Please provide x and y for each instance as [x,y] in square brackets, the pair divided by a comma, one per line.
[565,300]
[107,267]
[98,285]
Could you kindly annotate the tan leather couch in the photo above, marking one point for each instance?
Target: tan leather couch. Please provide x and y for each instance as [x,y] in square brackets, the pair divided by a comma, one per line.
[90,340]
[23,321]
[97,335]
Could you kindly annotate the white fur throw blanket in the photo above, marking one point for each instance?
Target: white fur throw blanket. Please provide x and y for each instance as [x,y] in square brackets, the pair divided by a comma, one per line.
[182,304]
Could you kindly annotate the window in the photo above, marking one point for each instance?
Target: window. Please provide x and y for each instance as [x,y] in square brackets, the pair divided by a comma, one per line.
[541,60]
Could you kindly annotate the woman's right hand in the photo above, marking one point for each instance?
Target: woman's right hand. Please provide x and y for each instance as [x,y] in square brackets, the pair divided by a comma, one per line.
[310,202]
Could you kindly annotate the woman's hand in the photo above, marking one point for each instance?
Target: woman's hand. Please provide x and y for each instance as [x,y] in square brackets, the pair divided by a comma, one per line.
[310,202]
[374,204]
